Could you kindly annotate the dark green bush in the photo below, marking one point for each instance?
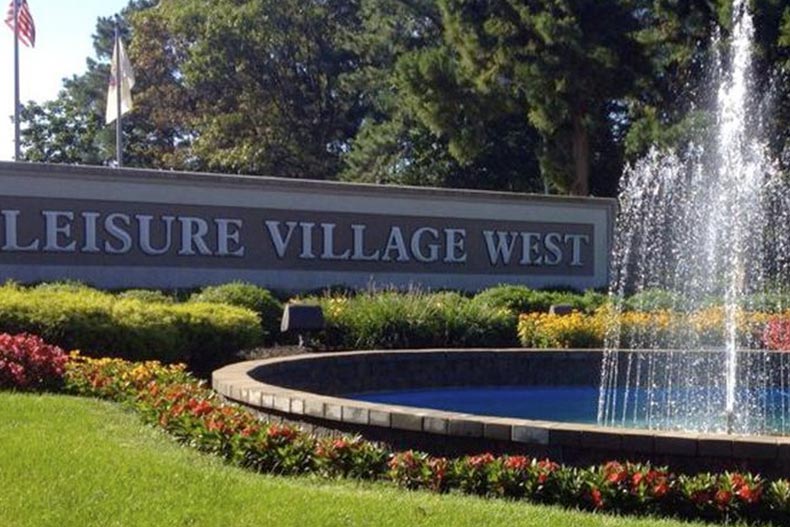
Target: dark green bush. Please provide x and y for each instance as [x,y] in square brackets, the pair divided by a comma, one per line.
[99,324]
[147,295]
[655,300]
[389,320]
[769,302]
[522,299]
[249,296]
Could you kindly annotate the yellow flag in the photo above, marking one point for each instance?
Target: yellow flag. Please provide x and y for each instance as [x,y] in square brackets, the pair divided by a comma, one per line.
[119,60]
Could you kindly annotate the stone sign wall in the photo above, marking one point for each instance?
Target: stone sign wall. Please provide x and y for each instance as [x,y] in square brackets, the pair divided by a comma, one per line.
[133,228]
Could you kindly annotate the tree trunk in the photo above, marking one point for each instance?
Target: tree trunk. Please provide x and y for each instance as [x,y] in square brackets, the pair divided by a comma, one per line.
[581,158]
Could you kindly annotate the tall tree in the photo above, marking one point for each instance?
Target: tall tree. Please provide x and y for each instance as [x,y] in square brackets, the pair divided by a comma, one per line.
[496,94]
[258,82]
[568,60]
[672,105]
[426,125]
[772,71]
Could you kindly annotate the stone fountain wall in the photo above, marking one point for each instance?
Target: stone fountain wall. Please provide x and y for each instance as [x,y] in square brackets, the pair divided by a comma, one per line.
[307,390]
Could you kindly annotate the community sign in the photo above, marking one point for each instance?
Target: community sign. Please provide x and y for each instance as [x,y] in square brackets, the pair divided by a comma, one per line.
[118,228]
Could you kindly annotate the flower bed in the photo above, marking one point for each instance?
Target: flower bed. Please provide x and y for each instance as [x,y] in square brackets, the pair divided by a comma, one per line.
[169,397]
[648,329]
[27,362]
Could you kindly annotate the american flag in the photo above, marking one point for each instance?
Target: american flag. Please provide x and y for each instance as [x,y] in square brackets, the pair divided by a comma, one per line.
[27,29]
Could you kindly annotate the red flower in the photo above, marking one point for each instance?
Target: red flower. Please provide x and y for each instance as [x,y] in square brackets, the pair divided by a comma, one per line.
[199,408]
[596,498]
[776,335]
[660,490]
[545,468]
[282,432]
[748,494]
[723,498]
[480,461]
[340,444]
[407,459]
[438,466]
[516,462]
[636,479]
[549,466]
[615,472]
[26,361]
[247,431]
[214,425]
[737,480]
[617,477]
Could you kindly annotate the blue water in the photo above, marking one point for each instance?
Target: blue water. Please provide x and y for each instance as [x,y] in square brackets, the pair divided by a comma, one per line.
[572,404]
[701,408]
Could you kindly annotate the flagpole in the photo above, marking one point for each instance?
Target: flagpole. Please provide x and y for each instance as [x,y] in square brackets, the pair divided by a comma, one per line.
[118,138]
[17,146]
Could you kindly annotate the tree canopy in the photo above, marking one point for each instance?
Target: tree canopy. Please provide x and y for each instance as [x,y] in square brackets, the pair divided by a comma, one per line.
[538,95]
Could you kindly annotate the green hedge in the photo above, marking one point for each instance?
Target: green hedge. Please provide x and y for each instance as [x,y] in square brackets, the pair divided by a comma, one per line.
[249,296]
[100,324]
[654,299]
[522,299]
[389,320]
[147,295]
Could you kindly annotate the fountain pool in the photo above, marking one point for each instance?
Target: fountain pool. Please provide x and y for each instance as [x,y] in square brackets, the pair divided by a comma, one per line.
[319,392]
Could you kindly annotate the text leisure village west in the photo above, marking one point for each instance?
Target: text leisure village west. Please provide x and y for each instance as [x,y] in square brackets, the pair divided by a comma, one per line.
[382,240]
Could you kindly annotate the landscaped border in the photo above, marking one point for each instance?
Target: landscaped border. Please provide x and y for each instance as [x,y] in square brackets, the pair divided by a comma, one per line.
[169,397]
[305,389]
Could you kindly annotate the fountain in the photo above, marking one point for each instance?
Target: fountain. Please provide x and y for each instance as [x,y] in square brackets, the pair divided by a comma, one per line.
[695,254]
[694,225]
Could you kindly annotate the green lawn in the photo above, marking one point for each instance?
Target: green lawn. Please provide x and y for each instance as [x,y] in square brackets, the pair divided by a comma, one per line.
[69,461]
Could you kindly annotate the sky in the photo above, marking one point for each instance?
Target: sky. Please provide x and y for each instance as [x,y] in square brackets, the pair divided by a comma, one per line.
[63,42]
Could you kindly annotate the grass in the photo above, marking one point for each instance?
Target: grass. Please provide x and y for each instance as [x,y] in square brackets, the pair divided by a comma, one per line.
[68,461]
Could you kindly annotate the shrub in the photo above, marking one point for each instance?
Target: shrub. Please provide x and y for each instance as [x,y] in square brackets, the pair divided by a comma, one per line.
[771,302]
[418,470]
[27,362]
[203,335]
[522,477]
[351,457]
[776,335]
[655,300]
[474,473]
[147,295]
[521,299]
[249,296]
[388,320]
[68,286]
[729,495]
[212,333]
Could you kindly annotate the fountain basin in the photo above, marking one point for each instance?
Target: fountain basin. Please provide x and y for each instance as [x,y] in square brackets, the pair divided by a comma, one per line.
[312,391]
